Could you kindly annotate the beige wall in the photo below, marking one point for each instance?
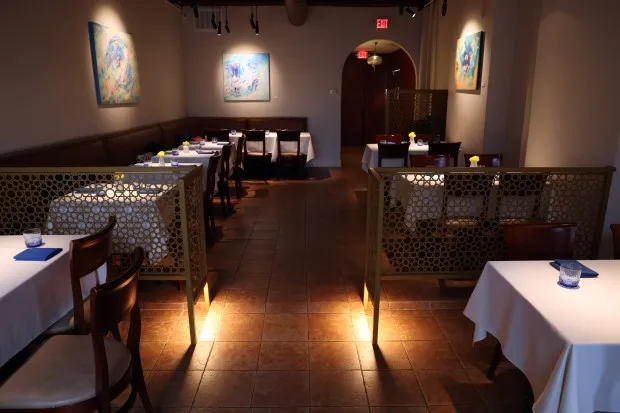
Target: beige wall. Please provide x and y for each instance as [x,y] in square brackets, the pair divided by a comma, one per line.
[306,62]
[47,85]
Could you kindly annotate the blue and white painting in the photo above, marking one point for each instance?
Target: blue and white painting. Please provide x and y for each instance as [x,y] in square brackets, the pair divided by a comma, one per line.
[246,77]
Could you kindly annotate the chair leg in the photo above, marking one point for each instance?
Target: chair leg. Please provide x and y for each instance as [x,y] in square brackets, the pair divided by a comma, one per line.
[228,204]
[222,199]
[498,355]
[139,385]
[238,187]
[212,216]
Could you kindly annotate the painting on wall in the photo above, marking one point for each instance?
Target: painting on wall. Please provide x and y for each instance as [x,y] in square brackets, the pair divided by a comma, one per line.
[246,77]
[115,66]
[467,69]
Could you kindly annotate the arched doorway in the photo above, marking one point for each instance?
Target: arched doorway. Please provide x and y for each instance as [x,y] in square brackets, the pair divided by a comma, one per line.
[363,90]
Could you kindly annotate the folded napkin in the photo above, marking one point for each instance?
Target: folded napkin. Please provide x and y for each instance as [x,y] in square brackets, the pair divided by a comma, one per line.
[89,190]
[585,271]
[203,152]
[168,152]
[149,191]
[37,254]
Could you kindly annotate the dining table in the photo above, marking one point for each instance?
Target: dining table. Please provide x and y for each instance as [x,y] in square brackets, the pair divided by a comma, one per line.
[370,158]
[35,294]
[565,341]
[271,145]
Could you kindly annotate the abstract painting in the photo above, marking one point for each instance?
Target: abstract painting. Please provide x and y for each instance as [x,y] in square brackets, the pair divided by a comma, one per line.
[246,77]
[467,69]
[115,66]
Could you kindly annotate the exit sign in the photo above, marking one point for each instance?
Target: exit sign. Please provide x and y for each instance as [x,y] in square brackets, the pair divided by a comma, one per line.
[382,24]
[362,54]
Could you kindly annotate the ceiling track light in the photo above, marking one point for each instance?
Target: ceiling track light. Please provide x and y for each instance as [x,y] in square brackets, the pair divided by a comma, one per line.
[213,24]
[226,25]
[444,8]
[252,18]
[410,12]
[257,29]
[219,28]
[195,11]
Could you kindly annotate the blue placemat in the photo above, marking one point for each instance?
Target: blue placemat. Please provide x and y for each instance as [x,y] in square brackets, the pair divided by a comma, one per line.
[37,254]
[585,271]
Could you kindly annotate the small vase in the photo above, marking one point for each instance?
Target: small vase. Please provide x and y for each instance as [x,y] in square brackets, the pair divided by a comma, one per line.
[474,164]
[162,161]
[186,148]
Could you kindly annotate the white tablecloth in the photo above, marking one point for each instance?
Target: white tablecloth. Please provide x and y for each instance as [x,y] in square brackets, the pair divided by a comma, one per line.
[147,216]
[305,143]
[567,342]
[168,164]
[35,294]
[370,159]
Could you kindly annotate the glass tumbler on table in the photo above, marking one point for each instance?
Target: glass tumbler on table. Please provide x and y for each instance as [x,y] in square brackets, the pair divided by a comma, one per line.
[214,139]
[32,237]
[570,274]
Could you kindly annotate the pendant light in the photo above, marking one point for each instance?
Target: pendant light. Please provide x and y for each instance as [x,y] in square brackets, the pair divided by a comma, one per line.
[375,59]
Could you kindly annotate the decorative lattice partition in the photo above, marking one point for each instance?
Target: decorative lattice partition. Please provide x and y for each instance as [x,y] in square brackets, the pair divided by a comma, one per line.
[157,208]
[448,222]
[422,111]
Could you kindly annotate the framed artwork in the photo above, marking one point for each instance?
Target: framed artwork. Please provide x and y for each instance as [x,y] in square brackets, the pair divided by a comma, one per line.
[468,62]
[115,66]
[246,77]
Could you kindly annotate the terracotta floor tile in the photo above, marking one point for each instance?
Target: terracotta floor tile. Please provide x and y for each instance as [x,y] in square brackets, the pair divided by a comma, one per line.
[180,330]
[256,265]
[173,388]
[337,388]
[508,387]
[281,389]
[235,234]
[389,329]
[162,409]
[279,410]
[219,410]
[333,356]
[327,294]
[266,226]
[260,234]
[431,355]
[285,327]
[240,327]
[360,409]
[387,355]
[246,301]
[456,328]
[286,293]
[393,388]
[250,281]
[155,331]
[330,327]
[149,353]
[423,328]
[475,356]
[464,409]
[283,356]
[160,315]
[284,308]
[445,387]
[184,356]
[225,389]
[398,410]
[234,355]
[329,307]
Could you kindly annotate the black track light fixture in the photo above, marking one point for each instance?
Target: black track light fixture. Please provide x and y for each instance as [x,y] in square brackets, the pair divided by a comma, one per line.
[195,11]
[213,24]
[444,7]
[226,25]
[219,28]
[257,29]
[252,24]
[410,12]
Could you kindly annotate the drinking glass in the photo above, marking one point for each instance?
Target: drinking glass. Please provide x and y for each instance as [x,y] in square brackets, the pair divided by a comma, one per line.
[570,274]
[32,237]
[174,163]
[214,139]
[140,159]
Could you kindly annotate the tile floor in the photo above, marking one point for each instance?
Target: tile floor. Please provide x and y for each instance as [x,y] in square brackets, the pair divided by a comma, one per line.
[287,332]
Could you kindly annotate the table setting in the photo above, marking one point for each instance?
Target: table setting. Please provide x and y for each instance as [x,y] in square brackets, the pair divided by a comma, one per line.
[271,144]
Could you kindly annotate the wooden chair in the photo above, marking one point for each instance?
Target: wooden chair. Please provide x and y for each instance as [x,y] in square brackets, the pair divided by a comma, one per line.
[222,135]
[486,159]
[262,157]
[223,188]
[85,256]
[515,185]
[475,187]
[445,148]
[394,138]
[295,158]
[84,373]
[210,192]
[398,151]
[422,161]
[615,231]
[535,241]
[238,167]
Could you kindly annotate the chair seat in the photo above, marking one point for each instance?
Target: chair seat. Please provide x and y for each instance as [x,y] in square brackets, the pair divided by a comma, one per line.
[61,373]
[289,154]
[258,154]
[67,322]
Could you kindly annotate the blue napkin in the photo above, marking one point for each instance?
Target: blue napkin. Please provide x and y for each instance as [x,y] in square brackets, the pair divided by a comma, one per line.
[149,191]
[37,254]
[89,190]
[202,152]
[585,271]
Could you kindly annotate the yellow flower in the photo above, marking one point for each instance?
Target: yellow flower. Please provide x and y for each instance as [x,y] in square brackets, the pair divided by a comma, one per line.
[186,143]
[119,175]
[474,159]
[412,134]
[160,153]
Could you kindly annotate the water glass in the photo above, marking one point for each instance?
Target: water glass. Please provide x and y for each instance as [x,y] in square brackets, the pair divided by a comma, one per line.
[214,139]
[140,159]
[570,274]
[174,163]
[32,237]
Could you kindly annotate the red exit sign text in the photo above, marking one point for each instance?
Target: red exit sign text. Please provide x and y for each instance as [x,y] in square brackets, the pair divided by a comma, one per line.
[362,54]
[382,24]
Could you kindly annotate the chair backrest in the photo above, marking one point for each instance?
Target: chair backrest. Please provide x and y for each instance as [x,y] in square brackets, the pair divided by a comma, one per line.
[109,304]
[522,185]
[239,153]
[289,136]
[225,168]
[421,161]
[445,148]
[153,147]
[254,136]
[394,138]
[393,151]
[211,172]
[486,159]
[222,135]
[615,231]
[85,256]
[467,188]
[539,241]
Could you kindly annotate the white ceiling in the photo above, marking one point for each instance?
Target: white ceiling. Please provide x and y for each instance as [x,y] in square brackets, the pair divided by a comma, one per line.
[383,46]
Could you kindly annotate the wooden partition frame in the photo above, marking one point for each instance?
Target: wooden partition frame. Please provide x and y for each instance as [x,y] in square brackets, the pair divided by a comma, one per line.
[158,208]
[448,222]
